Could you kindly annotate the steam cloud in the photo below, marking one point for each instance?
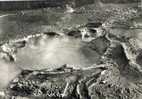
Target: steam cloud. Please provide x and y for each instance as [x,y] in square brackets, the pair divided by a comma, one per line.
[8,72]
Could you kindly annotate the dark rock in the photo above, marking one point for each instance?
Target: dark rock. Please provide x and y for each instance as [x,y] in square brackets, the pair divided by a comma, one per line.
[51,34]
[75,33]
[100,45]
[56,84]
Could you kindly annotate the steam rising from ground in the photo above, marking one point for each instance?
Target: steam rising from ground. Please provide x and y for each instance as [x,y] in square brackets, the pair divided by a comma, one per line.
[7,72]
[50,52]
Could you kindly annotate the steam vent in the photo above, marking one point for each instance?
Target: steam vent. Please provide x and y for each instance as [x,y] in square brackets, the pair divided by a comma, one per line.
[70,49]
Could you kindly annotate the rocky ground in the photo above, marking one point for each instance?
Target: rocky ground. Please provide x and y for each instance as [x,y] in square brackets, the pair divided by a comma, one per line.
[91,51]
